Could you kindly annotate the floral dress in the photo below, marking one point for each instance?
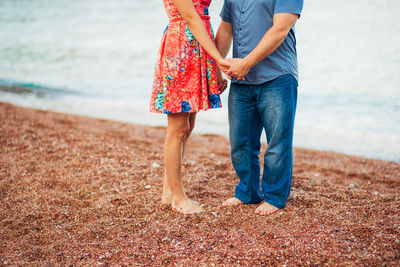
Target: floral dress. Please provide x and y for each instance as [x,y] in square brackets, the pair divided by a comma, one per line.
[185,77]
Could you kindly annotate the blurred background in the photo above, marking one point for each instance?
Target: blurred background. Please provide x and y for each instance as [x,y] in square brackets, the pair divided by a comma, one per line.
[97,57]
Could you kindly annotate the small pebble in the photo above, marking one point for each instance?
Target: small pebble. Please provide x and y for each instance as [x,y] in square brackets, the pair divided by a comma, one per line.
[376,193]
[351,185]
[147,186]
[214,213]
[155,165]
[5,262]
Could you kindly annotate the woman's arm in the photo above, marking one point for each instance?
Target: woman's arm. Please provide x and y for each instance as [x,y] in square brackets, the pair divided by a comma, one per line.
[197,27]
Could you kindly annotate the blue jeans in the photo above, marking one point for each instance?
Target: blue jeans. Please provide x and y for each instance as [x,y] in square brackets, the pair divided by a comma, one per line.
[272,106]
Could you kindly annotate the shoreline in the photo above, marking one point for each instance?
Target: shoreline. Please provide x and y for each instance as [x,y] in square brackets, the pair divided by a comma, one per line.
[370,145]
[74,190]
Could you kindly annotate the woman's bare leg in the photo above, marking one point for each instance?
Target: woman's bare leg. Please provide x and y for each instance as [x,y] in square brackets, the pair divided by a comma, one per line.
[167,194]
[166,198]
[192,121]
[173,193]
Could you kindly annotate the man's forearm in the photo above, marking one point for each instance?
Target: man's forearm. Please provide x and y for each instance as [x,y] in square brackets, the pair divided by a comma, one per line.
[272,39]
[223,39]
[223,43]
[268,44]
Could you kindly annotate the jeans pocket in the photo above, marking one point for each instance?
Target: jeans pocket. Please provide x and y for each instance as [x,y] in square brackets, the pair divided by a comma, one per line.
[284,79]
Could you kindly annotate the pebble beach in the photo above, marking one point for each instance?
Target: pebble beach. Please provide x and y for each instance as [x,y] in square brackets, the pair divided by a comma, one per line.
[81,191]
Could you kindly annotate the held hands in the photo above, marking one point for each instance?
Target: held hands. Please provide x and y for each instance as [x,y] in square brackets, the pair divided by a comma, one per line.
[232,67]
[238,68]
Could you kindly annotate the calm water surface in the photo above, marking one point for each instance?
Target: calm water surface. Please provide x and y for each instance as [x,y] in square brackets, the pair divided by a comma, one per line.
[96,57]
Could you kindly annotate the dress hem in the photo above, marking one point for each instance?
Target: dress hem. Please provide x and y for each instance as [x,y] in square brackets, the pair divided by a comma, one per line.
[166,113]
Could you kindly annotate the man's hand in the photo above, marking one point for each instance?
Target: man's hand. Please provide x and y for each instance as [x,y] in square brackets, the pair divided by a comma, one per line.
[239,68]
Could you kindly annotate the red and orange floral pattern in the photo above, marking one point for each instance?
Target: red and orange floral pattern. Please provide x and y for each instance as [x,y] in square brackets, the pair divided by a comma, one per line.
[185,78]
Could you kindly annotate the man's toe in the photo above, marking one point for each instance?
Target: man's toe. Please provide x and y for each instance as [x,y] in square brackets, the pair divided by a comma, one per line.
[265,212]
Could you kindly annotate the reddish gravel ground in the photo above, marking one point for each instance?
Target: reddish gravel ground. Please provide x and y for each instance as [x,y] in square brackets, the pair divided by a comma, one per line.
[73,192]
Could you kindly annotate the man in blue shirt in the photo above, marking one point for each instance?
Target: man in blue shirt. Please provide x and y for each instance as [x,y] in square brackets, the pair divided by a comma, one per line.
[263,95]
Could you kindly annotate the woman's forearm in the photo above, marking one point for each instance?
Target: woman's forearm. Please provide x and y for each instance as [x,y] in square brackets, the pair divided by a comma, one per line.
[197,27]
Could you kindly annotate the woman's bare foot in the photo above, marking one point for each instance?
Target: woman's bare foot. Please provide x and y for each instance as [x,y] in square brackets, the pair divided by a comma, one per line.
[186,207]
[166,197]
[231,202]
[265,209]
[165,201]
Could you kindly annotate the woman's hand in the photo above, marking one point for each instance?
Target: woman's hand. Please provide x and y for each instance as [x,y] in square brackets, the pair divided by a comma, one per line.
[222,83]
[224,66]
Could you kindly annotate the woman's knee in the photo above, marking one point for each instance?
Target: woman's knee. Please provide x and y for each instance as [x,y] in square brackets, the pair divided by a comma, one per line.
[179,133]
[189,132]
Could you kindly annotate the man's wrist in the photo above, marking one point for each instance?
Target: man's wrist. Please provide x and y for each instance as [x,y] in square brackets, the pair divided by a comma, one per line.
[248,62]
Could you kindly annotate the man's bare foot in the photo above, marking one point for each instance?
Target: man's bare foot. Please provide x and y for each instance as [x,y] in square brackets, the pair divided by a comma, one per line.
[186,207]
[265,209]
[231,202]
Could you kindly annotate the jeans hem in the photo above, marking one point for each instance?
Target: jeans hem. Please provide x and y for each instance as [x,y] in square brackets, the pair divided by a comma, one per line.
[273,203]
[237,195]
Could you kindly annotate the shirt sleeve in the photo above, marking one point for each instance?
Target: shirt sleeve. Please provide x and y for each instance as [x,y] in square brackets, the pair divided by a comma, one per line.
[288,6]
[226,12]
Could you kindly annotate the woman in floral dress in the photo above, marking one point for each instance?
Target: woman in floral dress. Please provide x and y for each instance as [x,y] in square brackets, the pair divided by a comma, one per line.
[186,80]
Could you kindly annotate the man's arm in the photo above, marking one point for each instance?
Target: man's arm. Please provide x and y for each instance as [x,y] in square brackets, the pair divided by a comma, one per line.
[273,38]
[223,41]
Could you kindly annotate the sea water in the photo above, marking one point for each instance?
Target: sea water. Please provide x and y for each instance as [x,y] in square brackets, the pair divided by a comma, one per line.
[97,57]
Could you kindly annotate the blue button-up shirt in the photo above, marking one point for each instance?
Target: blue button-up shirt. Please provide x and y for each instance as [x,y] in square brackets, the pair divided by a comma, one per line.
[250,20]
